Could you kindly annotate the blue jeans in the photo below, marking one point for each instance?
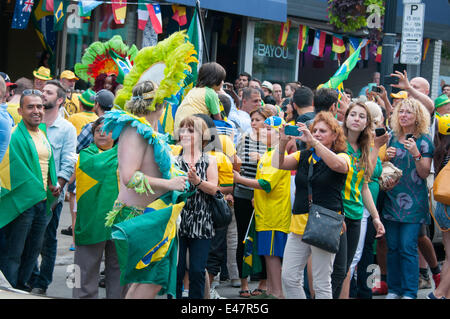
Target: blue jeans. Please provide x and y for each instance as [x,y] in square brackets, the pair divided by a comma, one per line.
[42,276]
[402,258]
[24,237]
[198,257]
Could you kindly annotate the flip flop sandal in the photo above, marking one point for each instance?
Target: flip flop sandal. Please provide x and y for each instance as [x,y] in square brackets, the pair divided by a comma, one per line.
[244,293]
[257,292]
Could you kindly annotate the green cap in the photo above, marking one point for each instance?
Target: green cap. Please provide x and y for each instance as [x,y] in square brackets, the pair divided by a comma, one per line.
[441,101]
[87,98]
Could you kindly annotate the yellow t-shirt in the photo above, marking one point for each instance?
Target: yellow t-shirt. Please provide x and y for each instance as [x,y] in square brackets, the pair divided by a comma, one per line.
[224,169]
[44,151]
[72,105]
[227,146]
[12,110]
[81,119]
[272,206]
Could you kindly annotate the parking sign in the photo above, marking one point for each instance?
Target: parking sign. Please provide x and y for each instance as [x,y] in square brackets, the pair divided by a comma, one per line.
[412,33]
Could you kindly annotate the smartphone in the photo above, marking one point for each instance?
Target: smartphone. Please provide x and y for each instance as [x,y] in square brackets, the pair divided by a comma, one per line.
[292,130]
[376,89]
[410,135]
[379,131]
[390,80]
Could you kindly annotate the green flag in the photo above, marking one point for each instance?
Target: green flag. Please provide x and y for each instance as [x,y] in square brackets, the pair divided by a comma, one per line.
[344,70]
[97,189]
[194,34]
[123,64]
[251,264]
[21,177]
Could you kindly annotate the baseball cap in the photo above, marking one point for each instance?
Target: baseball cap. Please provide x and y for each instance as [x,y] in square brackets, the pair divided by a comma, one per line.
[400,95]
[105,98]
[8,80]
[440,101]
[267,85]
[69,75]
[87,98]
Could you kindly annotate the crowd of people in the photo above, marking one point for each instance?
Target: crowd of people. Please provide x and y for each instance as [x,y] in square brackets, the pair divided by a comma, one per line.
[232,139]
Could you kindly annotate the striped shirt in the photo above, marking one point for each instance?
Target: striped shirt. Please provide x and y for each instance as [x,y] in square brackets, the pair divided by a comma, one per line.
[246,146]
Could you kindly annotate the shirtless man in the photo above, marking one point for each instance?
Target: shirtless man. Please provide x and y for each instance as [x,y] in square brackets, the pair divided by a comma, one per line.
[141,180]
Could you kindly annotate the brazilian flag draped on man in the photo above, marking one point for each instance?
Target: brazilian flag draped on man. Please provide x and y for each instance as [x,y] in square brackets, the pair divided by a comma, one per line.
[21,177]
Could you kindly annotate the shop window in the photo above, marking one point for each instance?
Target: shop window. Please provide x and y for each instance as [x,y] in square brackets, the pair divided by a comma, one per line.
[271,61]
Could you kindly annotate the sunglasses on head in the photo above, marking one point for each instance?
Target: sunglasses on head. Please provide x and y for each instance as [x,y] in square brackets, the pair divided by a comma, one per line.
[32,92]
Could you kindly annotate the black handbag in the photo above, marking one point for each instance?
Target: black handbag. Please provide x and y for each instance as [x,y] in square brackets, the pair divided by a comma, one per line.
[324,226]
[220,211]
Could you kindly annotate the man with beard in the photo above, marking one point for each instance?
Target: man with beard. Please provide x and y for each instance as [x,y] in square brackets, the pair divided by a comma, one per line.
[63,140]
[29,185]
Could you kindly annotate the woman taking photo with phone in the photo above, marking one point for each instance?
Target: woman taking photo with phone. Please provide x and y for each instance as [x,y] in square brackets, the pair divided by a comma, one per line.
[326,148]
[406,204]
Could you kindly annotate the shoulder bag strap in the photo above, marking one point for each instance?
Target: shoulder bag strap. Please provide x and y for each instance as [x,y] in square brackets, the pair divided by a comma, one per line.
[310,173]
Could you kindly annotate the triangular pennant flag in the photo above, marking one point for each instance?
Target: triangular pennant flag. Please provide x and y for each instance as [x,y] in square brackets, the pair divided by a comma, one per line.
[119,8]
[284,32]
[155,17]
[303,38]
[179,14]
[319,43]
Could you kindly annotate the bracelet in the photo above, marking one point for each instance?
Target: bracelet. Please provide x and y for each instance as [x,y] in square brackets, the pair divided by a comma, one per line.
[201,181]
[418,157]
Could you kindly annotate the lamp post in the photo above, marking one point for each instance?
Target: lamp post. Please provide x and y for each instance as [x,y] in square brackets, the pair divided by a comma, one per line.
[389,37]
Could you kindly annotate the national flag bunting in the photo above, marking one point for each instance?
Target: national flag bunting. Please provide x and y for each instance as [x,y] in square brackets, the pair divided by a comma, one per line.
[338,44]
[86,7]
[22,12]
[47,5]
[426,45]
[59,14]
[284,32]
[155,17]
[143,14]
[179,14]
[303,37]
[319,43]
[43,24]
[119,8]
[379,54]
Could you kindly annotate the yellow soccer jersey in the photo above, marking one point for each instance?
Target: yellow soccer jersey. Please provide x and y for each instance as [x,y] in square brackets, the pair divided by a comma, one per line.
[273,202]
[224,168]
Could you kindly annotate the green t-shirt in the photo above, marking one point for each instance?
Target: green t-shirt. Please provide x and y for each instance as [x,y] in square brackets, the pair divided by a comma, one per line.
[351,194]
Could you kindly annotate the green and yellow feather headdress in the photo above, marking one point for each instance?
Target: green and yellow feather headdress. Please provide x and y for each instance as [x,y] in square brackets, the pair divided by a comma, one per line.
[166,63]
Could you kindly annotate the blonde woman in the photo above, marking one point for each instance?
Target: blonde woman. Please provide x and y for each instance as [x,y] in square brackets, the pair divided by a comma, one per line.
[406,204]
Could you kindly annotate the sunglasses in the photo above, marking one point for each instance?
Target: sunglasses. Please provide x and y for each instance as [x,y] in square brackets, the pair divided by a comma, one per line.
[31,92]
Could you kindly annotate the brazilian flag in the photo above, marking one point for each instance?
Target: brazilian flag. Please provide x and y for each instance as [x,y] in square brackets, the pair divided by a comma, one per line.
[147,245]
[252,261]
[97,189]
[21,177]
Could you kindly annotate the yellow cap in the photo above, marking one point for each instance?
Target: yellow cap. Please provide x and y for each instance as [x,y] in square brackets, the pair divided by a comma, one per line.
[400,95]
[69,75]
[42,73]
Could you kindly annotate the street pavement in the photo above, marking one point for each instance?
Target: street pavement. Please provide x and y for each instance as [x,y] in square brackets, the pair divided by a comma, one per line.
[61,286]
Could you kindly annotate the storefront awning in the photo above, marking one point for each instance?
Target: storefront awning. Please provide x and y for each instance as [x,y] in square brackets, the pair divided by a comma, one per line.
[275,10]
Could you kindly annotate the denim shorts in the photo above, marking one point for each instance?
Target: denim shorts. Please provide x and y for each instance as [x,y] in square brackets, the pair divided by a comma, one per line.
[442,215]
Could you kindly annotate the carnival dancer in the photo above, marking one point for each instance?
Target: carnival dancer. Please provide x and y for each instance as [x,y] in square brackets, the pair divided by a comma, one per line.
[143,222]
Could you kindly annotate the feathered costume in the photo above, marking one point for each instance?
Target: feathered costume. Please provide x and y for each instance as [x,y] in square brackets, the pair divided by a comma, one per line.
[112,56]
[145,238]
